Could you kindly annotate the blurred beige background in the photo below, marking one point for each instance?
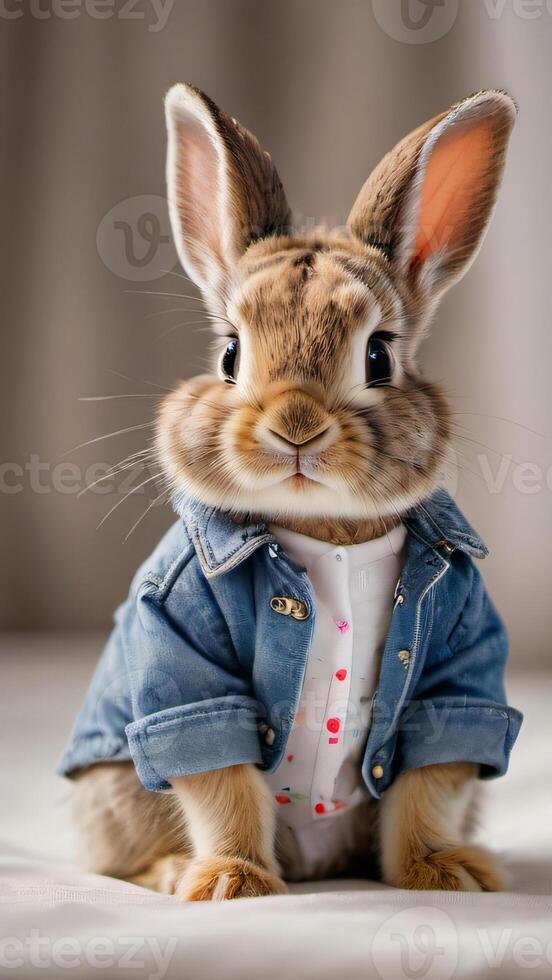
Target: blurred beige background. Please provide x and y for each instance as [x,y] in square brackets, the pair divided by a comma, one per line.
[328,87]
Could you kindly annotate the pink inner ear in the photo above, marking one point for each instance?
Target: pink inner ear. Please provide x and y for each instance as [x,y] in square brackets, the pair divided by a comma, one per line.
[454,182]
[199,194]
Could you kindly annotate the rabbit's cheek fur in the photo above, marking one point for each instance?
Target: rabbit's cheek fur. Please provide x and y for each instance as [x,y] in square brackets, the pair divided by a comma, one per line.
[189,435]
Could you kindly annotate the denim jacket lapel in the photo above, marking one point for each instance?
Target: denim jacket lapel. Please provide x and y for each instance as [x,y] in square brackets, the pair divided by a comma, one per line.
[220,542]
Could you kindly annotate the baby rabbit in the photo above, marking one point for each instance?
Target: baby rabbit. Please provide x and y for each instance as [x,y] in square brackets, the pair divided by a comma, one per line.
[307,676]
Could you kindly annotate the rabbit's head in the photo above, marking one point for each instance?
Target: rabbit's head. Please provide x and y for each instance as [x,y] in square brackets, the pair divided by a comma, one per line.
[317,406]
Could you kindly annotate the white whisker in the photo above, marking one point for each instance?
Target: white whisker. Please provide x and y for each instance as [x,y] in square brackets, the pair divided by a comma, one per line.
[145,513]
[105,398]
[150,479]
[108,435]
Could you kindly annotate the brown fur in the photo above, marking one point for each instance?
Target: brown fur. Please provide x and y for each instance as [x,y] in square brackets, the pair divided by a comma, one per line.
[218,824]
[122,828]
[299,437]
[424,818]
[128,832]
[335,531]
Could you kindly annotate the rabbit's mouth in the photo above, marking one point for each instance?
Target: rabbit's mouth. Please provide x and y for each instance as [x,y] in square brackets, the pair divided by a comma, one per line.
[299,481]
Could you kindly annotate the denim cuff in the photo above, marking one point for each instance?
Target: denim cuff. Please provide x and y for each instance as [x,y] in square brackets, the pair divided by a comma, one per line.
[193,738]
[89,749]
[440,730]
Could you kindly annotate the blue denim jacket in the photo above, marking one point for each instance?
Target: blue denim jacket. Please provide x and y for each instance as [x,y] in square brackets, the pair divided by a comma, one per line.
[202,671]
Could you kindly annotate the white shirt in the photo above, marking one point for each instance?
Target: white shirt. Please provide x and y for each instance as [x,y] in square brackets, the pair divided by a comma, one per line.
[319,775]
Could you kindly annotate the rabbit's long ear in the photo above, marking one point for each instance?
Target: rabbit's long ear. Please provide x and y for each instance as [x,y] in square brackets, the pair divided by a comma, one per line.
[428,203]
[223,189]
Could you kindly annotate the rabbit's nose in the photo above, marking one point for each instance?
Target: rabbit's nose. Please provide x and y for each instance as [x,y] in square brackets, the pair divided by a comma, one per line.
[295,423]
[309,447]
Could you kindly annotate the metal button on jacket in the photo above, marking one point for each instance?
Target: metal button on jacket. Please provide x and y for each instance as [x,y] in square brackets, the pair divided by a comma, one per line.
[377,772]
[288,606]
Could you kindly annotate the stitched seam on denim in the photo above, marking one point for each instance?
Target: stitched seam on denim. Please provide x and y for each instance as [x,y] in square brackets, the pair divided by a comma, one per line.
[207,542]
[185,553]
[486,709]
[205,713]
[144,760]
[178,558]
[206,552]
[139,724]
[414,653]
[461,535]
[458,535]
[204,559]
[244,551]
[246,548]
[243,546]
[161,583]
[514,725]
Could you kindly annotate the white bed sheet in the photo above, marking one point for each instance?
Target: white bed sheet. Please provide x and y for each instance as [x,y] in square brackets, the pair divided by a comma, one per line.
[55,919]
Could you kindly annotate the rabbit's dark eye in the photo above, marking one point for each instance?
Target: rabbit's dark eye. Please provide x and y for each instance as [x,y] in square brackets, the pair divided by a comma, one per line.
[230,361]
[379,362]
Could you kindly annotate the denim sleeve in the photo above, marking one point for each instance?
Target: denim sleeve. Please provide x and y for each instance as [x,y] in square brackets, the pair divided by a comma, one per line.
[192,707]
[459,711]
[168,691]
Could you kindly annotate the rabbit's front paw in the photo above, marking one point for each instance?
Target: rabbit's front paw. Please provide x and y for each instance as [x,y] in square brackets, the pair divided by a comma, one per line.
[465,869]
[218,879]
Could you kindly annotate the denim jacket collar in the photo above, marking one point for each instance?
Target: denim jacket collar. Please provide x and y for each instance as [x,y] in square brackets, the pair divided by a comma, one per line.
[221,544]
[440,523]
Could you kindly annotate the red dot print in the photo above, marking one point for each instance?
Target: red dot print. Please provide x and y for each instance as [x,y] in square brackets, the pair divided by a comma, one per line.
[341,674]
[333,725]
[281,798]
[320,808]
[290,758]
